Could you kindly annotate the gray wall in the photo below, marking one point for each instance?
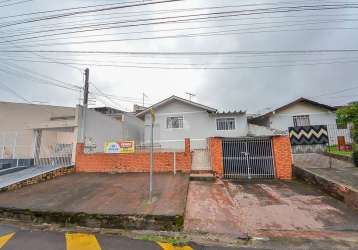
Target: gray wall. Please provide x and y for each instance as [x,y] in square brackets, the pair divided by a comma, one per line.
[198,126]
[100,128]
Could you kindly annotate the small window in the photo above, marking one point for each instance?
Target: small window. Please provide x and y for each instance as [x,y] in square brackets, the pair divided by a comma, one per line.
[301,120]
[341,125]
[225,124]
[175,122]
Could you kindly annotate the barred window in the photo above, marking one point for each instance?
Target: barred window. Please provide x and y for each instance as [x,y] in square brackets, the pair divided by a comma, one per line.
[341,125]
[225,124]
[175,122]
[301,120]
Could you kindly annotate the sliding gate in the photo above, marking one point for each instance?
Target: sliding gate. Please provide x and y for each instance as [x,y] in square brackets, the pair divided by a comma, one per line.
[248,158]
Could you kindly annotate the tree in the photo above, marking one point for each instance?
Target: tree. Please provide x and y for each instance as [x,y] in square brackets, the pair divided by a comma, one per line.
[349,115]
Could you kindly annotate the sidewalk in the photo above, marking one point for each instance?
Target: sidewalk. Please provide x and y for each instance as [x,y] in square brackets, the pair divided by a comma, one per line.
[336,177]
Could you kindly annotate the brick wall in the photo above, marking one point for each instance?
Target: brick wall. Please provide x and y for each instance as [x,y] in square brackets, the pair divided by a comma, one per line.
[283,157]
[134,162]
[216,155]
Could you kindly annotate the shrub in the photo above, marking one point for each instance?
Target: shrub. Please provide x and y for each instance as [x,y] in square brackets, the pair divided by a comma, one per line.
[355,135]
[355,157]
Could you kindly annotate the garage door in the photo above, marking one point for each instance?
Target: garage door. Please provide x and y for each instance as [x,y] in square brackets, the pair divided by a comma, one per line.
[248,158]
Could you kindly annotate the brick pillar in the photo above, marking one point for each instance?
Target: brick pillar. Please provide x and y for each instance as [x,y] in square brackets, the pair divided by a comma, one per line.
[187,154]
[216,155]
[283,157]
[79,154]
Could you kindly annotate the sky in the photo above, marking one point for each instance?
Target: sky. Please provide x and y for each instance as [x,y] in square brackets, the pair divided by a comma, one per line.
[223,81]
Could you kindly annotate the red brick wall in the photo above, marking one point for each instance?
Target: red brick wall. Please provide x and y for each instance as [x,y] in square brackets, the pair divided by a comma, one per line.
[135,162]
[216,156]
[283,157]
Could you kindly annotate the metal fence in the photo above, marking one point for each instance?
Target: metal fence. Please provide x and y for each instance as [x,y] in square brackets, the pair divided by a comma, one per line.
[36,148]
[16,149]
[320,138]
[248,158]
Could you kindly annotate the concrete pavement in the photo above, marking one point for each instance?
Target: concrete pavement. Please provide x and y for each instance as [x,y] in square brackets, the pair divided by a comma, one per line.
[259,208]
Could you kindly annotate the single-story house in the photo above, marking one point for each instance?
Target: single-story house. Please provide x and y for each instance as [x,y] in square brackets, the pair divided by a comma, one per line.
[177,118]
[303,112]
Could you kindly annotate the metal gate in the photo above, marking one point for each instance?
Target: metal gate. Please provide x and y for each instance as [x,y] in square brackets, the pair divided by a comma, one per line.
[248,158]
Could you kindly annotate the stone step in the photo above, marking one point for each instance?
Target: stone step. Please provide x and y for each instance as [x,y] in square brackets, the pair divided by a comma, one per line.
[202,177]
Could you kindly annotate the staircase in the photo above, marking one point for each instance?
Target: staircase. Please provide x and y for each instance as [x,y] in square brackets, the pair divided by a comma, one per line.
[201,167]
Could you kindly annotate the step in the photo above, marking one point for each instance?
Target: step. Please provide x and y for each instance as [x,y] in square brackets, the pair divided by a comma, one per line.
[201,171]
[202,177]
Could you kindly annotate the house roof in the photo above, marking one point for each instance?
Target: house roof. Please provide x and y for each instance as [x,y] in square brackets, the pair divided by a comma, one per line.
[176,98]
[301,99]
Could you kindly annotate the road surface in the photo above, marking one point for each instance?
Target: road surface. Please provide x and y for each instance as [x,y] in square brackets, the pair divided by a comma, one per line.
[12,238]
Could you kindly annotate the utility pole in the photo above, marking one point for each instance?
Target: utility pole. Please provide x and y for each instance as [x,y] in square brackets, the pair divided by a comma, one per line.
[190,95]
[85,93]
[151,156]
[85,105]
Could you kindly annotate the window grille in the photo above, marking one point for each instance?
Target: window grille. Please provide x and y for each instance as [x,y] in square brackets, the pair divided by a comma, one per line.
[301,120]
[175,122]
[225,124]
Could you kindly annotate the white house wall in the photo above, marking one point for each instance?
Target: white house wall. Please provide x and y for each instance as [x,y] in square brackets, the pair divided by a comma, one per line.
[318,116]
[198,125]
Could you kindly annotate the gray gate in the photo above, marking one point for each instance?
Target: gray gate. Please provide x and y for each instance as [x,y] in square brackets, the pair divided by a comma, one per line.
[248,158]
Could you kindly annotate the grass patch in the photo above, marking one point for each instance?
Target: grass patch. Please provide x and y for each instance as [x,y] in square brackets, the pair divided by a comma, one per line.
[164,239]
[334,150]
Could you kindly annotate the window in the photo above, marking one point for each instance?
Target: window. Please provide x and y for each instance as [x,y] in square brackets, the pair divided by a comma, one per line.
[225,124]
[301,120]
[341,125]
[175,122]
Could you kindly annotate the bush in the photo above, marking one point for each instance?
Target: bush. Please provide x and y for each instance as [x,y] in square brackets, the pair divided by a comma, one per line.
[355,157]
[355,135]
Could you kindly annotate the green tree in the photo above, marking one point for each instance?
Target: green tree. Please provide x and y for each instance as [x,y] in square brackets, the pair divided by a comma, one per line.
[348,115]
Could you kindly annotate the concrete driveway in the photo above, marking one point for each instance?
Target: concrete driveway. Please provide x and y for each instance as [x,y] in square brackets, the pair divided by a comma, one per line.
[231,208]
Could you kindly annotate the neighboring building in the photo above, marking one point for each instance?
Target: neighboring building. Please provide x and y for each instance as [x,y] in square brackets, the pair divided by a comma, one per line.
[27,130]
[177,118]
[303,112]
[112,112]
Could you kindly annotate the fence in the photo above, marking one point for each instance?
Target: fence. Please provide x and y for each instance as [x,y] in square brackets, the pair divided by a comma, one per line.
[16,149]
[36,148]
[320,138]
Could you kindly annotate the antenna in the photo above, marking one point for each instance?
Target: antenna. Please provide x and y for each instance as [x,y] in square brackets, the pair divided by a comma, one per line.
[190,95]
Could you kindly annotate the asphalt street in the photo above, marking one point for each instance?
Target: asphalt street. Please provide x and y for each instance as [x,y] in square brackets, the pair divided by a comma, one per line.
[12,238]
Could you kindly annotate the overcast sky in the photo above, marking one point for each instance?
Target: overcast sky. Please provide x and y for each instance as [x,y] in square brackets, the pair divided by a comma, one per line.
[248,82]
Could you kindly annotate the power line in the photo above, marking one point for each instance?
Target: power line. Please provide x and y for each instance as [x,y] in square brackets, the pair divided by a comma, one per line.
[206,16]
[335,92]
[218,68]
[190,35]
[16,3]
[36,79]
[295,23]
[191,53]
[10,90]
[73,8]
[46,18]
[141,14]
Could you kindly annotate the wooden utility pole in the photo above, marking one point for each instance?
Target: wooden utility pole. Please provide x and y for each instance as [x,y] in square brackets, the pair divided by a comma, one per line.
[85,106]
[85,93]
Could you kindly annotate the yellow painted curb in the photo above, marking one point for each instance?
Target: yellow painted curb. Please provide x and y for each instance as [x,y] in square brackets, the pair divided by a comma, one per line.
[4,239]
[168,246]
[80,241]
